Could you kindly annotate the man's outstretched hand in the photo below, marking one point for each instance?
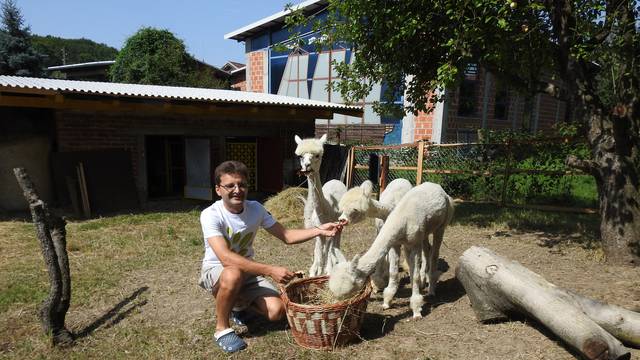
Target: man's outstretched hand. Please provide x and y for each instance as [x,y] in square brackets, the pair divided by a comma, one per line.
[330,229]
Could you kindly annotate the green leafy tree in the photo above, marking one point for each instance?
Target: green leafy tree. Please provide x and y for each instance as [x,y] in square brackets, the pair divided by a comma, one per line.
[151,56]
[588,49]
[157,57]
[60,51]
[17,56]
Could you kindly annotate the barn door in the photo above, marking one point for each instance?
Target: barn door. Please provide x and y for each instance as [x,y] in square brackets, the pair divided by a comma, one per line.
[198,169]
[245,151]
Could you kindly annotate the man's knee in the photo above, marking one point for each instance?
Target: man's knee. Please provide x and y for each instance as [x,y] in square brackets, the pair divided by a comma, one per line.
[276,311]
[231,278]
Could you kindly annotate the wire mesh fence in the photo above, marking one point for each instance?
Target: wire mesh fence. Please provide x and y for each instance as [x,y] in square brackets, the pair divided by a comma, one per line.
[529,172]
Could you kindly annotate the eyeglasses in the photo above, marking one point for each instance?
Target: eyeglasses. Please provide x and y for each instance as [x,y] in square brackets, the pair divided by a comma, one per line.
[231,187]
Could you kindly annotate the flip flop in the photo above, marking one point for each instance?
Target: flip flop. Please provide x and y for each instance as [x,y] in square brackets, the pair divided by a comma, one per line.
[229,341]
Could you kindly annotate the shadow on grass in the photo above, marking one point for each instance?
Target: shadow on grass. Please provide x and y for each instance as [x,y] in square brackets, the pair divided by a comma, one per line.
[378,325]
[555,227]
[115,315]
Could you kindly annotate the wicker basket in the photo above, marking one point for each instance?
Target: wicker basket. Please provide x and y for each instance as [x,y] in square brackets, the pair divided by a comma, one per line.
[323,326]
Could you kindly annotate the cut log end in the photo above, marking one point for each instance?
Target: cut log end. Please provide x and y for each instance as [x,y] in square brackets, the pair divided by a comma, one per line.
[597,349]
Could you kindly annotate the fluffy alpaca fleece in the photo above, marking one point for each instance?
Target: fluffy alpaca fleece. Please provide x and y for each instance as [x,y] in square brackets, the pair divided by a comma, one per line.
[321,205]
[357,204]
[425,209]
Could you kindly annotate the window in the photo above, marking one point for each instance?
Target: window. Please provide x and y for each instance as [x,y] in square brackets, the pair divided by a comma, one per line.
[468,92]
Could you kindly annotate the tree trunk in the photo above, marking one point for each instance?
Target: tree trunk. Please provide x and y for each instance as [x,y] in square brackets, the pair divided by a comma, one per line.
[50,230]
[498,287]
[619,196]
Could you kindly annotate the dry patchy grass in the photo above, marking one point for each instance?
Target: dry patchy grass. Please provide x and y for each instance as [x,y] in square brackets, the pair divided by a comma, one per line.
[135,294]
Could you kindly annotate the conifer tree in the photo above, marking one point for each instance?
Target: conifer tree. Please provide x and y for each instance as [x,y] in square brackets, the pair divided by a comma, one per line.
[17,56]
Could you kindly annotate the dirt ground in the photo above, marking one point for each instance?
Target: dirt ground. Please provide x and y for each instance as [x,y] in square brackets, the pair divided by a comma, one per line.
[167,298]
[448,329]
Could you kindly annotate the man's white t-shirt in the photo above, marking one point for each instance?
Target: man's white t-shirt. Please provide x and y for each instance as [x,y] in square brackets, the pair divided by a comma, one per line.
[238,230]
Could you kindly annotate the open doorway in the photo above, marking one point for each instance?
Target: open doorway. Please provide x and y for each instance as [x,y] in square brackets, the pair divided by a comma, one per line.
[165,165]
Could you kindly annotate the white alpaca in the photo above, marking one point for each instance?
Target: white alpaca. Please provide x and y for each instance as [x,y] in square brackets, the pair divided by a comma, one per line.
[425,209]
[355,205]
[321,205]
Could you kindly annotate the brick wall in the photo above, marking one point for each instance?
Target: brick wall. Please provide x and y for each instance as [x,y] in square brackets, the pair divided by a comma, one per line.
[256,61]
[423,129]
[81,131]
[548,112]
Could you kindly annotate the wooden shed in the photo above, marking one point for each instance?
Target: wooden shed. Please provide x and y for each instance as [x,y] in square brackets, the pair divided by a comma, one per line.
[139,142]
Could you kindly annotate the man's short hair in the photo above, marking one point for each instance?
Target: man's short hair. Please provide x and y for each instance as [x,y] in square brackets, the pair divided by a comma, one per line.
[230,167]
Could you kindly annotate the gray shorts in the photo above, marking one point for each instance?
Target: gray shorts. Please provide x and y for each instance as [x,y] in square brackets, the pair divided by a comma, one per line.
[254,286]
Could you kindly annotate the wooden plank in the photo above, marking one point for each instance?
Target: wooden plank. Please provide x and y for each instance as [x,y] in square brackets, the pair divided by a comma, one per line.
[366,167]
[350,168]
[84,194]
[420,162]
[384,172]
[386,147]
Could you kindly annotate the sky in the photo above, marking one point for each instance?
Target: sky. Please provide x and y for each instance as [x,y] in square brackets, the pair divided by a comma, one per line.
[201,24]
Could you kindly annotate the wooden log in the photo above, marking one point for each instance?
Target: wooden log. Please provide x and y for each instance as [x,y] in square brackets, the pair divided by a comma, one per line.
[51,234]
[498,287]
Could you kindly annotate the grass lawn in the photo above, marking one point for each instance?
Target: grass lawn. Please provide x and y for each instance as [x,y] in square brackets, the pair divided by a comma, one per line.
[135,292]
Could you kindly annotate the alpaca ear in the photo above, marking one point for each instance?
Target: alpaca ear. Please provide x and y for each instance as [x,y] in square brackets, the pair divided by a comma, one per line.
[367,188]
[323,139]
[298,140]
[354,262]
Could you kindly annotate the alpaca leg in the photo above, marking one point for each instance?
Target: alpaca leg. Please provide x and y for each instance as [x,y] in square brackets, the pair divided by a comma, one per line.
[327,256]
[424,263]
[316,266]
[335,255]
[434,274]
[416,300]
[392,287]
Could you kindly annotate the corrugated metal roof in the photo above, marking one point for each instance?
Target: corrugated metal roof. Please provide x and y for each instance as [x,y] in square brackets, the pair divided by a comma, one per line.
[163,92]
[276,19]
[81,65]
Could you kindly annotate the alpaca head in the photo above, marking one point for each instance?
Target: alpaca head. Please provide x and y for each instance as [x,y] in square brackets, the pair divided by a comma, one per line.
[310,153]
[355,203]
[345,279]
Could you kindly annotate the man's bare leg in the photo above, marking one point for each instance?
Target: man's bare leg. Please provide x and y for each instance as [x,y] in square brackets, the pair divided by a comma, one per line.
[229,285]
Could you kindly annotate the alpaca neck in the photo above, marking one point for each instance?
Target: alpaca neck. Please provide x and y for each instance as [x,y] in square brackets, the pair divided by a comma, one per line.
[379,248]
[315,198]
[379,210]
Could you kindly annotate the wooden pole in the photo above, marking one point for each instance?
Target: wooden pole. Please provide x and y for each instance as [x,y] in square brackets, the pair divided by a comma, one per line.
[420,161]
[351,166]
[384,173]
[498,287]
